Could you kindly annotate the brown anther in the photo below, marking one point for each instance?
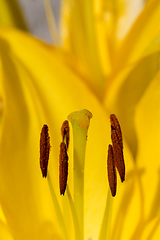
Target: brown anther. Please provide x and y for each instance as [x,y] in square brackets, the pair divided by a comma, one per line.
[118,154]
[112,175]
[44,150]
[117,142]
[116,126]
[63,168]
[65,132]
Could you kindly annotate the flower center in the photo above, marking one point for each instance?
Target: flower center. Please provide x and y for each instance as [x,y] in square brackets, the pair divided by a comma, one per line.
[80,123]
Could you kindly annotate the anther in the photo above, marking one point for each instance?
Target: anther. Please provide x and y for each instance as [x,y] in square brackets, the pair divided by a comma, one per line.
[117,142]
[63,168]
[116,126]
[65,132]
[44,149]
[112,175]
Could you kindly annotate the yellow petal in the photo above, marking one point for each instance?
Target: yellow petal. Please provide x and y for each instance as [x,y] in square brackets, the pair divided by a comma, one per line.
[124,221]
[10,14]
[142,97]
[23,192]
[79,38]
[4,229]
[126,91]
[131,10]
[144,31]
[127,200]
[115,19]
[89,31]
[147,129]
[152,230]
[4,232]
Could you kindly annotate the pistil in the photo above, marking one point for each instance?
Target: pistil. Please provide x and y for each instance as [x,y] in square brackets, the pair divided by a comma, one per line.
[80,123]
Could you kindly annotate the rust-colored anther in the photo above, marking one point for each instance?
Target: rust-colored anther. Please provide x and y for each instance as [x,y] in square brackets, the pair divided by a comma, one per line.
[65,132]
[63,168]
[118,155]
[116,126]
[117,143]
[44,150]
[112,175]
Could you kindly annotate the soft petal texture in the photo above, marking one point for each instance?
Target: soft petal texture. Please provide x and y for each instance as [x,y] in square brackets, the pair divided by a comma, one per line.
[124,220]
[126,91]
[127,201]
[4,232]
[4,229]
[131,10]
[79,39]
[22,189]
[89,31]
[116,17]
[144,31]
[152,230]
[147,120]
[141,41]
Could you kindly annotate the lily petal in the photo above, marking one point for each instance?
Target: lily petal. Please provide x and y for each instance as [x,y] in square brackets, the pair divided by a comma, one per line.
[89,31]
[125,92]
[144,31]
[4,229]
[79,39]
[147,127]
[125,223]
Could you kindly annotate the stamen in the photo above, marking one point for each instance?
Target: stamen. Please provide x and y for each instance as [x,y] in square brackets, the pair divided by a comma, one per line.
[44,149]
[112,176]
[65,132]
[116,126]
[116,136]
[63,168]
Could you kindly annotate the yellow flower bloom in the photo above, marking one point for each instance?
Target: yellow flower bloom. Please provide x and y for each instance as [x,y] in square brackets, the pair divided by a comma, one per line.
[38,86]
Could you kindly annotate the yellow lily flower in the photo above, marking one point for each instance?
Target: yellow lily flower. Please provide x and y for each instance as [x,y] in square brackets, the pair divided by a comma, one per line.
[32,96]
